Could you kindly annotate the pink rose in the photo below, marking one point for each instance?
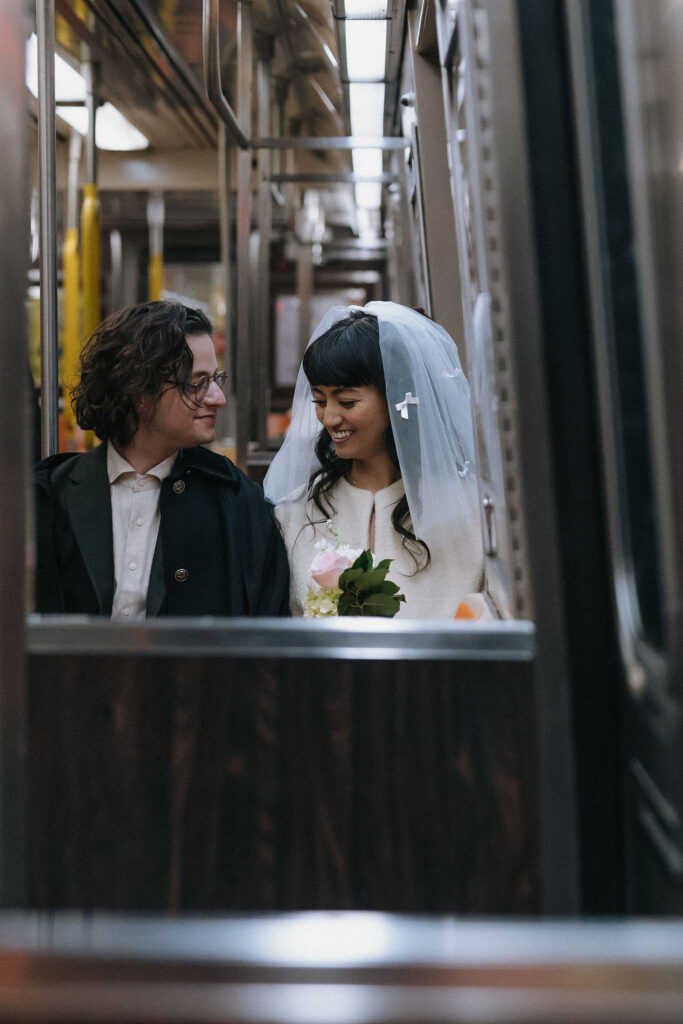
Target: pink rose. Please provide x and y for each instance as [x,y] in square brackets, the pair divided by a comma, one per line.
[327,567]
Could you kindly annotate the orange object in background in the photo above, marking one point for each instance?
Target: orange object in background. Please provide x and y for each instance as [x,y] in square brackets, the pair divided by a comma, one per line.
[278,422]
[72,438]
[465,612]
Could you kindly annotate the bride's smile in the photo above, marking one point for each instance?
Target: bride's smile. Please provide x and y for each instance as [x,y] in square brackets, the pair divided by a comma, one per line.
[356,418]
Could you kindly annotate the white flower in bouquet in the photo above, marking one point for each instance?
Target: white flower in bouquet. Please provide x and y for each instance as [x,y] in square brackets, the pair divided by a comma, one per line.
[327,566]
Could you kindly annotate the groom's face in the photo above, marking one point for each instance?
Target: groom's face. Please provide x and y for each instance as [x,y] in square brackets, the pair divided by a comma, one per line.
[173,419]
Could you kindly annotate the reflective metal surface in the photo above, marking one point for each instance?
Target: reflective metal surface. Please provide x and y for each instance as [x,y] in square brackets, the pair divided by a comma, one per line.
[49,327]
[288,638]
[212,71]
[331,142]
[15,399]
[650,41]
[539,514]
[339,968]
[243,295]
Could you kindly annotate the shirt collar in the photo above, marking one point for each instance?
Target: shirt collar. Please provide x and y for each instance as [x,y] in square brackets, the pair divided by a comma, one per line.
[117,466]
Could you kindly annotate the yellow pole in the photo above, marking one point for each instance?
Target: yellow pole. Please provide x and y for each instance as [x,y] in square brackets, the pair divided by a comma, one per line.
[90,269]
[72,334]
[90,259]
[155,225]
[155,275]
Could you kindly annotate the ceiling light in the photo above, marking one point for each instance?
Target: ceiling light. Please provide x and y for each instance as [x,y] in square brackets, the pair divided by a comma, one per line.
[367,162]
[368,195]
[69,85]
[330,56]
[366,102]
[365,8]
[366,44]
[369,225]
[112,130]
[115,132]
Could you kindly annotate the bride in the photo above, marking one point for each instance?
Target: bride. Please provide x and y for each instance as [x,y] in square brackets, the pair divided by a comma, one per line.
[381,444]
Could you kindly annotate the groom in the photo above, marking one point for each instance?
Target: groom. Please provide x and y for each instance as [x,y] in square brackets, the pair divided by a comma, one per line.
[150,522]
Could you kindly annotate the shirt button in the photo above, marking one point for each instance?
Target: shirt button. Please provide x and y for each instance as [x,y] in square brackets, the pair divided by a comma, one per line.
[179,486]
[181,575]
[132,566]
[126,611]
[139,522]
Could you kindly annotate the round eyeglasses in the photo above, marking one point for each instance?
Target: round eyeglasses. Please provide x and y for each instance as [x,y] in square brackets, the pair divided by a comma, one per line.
[197,390]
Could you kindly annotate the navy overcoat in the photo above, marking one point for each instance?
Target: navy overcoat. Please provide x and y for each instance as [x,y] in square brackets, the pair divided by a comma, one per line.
[219,549]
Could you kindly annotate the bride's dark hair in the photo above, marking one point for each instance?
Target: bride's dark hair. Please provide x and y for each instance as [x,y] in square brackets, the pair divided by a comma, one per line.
[348,355]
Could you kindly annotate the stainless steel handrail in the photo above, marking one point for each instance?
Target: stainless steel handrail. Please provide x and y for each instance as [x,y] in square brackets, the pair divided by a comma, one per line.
[312,178]
[14,392]
[332,142]
[212,71]
[45,32]
[338,968]
[372,638]
[192,93]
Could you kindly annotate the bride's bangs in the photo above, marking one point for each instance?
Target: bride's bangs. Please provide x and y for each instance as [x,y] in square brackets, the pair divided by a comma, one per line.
[346,356]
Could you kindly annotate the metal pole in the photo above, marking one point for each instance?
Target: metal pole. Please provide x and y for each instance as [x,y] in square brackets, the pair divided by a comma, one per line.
[45,31]
[116,270]
[304,291]
[71,348]
[155,224]
[89,73]
[225,420]
[244,338]
[75,146]
[265,224]
[212,73]
[90,212]
[14,400]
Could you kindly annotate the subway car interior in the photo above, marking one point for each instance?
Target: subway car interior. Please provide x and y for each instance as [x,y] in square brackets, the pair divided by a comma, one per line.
[358,819]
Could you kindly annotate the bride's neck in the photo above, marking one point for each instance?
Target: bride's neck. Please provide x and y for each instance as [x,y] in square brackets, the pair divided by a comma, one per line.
[373,476]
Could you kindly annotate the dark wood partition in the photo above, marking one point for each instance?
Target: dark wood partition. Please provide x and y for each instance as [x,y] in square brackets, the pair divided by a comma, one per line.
[227,783]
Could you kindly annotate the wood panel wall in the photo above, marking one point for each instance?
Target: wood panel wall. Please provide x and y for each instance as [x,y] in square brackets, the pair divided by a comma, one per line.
[200,784]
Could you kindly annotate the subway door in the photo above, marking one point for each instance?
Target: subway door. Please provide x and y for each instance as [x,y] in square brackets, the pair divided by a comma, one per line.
[459,300]
[465,64]
[628,89]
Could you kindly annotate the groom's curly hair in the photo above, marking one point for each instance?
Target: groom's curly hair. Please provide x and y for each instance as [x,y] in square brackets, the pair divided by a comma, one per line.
[348,355]
[129,356]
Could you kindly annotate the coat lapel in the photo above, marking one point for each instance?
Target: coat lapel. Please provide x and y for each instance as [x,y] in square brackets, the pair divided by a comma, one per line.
[156,592]
[88,505]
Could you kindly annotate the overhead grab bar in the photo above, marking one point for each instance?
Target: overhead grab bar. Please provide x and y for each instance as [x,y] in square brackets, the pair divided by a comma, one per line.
[212,71]
[332,142]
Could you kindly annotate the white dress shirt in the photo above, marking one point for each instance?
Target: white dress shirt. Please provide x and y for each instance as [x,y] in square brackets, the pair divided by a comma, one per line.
[135,525]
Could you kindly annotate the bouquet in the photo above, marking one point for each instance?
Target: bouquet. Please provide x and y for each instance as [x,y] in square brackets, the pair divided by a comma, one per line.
[346,581]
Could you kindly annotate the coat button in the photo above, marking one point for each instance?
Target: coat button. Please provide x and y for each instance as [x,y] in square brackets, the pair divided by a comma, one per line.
[181,575]
[179,486]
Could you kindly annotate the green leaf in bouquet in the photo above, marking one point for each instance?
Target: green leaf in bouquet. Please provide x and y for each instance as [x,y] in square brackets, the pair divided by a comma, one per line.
[387,587]
[381,604]
[371,579]
[349,576]
[348,604]
[366,591]
[364,561]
